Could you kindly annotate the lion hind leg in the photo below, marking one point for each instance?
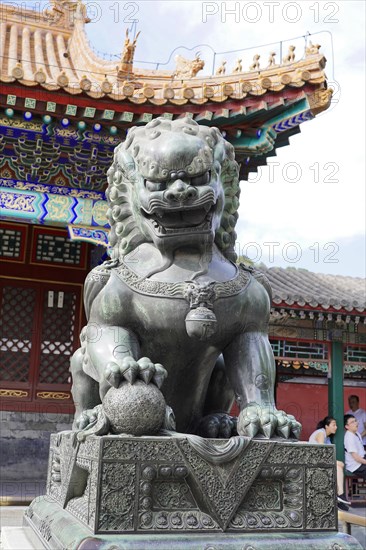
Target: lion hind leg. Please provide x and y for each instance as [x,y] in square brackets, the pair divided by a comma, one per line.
[85,390]
[216,421]
[220,395]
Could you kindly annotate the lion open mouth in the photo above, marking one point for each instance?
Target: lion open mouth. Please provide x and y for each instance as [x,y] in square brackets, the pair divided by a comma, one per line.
[180,220]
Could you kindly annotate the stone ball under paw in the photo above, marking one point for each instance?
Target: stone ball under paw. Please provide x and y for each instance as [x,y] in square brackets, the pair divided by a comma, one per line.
[136,409]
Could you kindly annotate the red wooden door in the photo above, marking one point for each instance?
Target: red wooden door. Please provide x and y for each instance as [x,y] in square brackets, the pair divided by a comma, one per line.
[40,325]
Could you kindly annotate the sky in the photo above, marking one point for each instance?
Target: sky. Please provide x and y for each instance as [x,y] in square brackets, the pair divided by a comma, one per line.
[307,208]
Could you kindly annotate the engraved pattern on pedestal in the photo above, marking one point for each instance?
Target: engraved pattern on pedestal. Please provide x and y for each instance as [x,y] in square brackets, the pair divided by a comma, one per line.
[114,449]
[79,505]
[222,495]
[321,503]
[117,499]
[176,494]
[89,448]
[172,495]
[279,488]
[301,455]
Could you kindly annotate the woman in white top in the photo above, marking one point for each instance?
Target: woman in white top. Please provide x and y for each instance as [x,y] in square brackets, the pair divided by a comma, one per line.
[324,430]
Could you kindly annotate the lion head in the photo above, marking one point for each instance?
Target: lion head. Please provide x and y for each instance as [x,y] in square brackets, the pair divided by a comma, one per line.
[173,182]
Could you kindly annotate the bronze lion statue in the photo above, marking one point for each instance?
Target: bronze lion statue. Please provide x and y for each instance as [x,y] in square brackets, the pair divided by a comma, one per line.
[172,300]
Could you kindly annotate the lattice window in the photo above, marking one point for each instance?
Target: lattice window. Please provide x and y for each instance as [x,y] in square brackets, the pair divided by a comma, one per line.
[355,354]
[17,316]
[299,350]
[57,249]
[10,243]
[57,338]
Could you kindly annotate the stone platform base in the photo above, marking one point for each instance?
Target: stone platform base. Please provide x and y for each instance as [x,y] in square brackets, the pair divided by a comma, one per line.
[185,492]
[68,532]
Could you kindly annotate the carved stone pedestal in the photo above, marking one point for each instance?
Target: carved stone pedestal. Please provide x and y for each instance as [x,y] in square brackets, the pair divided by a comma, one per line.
[186,492]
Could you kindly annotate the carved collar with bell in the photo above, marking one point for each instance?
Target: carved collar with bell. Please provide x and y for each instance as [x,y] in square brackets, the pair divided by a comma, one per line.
[193,292]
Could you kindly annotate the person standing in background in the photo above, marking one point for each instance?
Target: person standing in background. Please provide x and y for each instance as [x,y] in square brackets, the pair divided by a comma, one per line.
[355,452]
[360,416]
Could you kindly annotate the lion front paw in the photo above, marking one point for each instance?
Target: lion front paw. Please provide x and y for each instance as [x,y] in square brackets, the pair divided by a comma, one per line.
[91,422]
[130,370]
[86,419]
[268,421]
[217,425]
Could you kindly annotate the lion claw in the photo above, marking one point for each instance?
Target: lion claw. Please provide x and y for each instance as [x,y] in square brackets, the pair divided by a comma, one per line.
[283,424]
[295,426]
[255,420]
[159,376]
[284,431]
[112,374]
[130,370]
[268,423]
[147,369]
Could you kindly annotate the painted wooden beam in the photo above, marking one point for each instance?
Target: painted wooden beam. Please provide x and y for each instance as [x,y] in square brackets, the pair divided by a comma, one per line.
[32,206]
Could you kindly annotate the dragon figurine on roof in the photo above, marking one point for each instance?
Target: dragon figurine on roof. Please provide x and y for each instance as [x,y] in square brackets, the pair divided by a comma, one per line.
[171,309]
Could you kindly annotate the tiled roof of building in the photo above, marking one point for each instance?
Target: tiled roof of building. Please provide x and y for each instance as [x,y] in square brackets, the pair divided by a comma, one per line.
[51,50]
[299,287]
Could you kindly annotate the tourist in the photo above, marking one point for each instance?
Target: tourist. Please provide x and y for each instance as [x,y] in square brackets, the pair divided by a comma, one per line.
[324,430]
[360,416]
[355,452]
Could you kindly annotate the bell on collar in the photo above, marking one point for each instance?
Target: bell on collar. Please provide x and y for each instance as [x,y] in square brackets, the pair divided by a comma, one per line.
[201,323]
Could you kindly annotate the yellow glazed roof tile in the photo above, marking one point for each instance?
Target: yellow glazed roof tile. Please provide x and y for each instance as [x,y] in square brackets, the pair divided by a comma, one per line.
[51,50]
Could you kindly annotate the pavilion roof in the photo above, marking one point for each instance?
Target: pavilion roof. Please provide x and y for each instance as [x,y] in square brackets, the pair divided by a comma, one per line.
[49,73]
[51,50]
[303,288]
